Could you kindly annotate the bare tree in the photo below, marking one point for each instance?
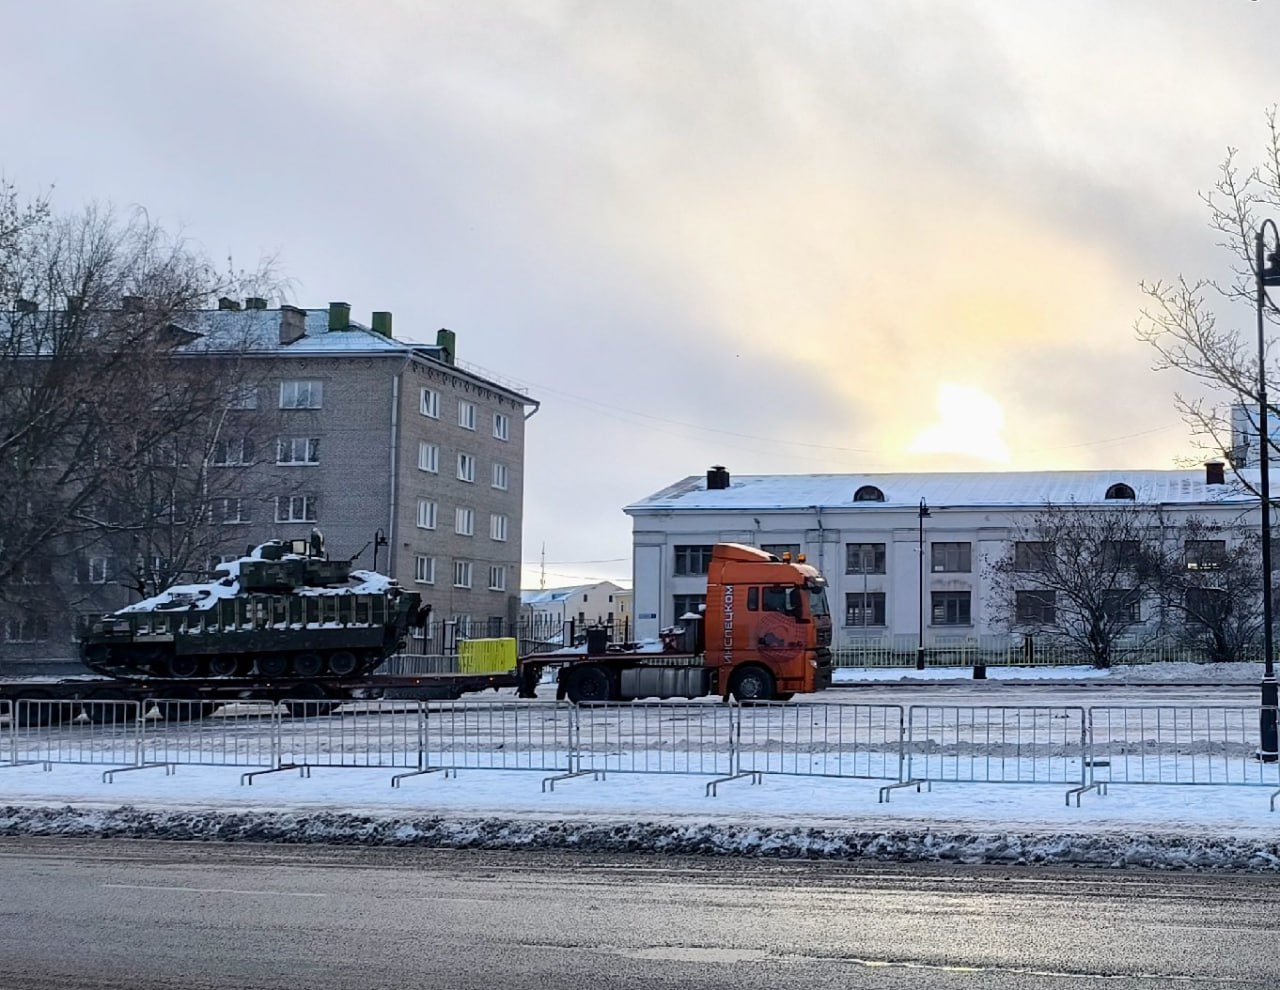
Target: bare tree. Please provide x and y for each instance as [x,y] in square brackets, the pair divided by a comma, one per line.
[1074,578]
[1209,575]
[115,394]
[1206,328]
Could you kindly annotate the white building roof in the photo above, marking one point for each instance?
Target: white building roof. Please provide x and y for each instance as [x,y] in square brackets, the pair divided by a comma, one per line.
[959,489]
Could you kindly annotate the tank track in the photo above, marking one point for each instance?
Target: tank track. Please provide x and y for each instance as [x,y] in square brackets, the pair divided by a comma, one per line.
[115,662]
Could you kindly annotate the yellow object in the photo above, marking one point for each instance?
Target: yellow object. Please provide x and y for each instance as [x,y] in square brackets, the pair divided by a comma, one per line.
[486,656]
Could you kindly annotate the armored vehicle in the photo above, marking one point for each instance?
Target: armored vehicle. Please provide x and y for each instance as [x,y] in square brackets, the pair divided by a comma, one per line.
[283,611]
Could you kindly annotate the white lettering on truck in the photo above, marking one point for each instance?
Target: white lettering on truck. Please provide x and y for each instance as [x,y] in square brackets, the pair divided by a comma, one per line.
[728,623]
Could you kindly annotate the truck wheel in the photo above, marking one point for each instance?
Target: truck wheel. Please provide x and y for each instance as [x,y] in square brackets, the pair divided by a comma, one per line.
[752,684]
[588,685]
[343,663]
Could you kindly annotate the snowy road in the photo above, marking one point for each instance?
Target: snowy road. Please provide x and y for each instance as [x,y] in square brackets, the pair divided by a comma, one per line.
[155,916]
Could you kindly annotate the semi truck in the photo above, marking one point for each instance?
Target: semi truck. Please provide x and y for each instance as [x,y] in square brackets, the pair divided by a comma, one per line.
[764,634]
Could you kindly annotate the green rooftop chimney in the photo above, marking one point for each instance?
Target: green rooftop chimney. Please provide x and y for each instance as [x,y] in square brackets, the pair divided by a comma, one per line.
[339,315]
[447,341]
[382,324]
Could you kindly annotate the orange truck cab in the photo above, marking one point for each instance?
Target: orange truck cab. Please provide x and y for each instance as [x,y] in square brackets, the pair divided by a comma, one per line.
[765,634]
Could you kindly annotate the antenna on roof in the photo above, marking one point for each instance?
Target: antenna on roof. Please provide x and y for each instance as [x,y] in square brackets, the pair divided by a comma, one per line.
[542,577]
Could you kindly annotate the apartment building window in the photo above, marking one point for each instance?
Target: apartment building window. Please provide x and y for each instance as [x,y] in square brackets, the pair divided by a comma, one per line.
[466,467]
[1122,605]
[429,457]
[462,574]
[951,608]
[427,512]
[245,397]
[864,558]
[295,508]
[1205,555]
[28,629]
[502,426]
[301,395]
[93,570]
[298,450]
[464,521]
[1120,555]
[38,571]
[864,609]
[466,414]
[1206,606]
[499,476]
[1035,608]
[951,558]
[778,549]
[692,558]
[1029,556]
[497,577]
[227,511]
[686,604]
[429,404]
[424,569]
[498,527]
[232,452]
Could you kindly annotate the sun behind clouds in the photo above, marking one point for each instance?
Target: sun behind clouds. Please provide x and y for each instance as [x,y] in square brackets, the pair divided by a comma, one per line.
[970,422]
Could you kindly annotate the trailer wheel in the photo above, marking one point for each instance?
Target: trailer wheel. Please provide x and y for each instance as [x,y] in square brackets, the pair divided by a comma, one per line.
[343,663]
[588,685]
[308,664]
[752,684]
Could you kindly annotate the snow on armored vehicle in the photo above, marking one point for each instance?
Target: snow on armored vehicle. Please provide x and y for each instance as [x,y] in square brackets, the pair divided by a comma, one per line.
[283,611]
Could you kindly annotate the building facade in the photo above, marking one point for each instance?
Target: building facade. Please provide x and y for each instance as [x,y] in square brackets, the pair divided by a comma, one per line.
[398,453]
[907,557]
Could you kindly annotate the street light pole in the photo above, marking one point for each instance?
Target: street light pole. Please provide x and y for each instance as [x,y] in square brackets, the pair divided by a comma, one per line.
[1267,272]
[924,512]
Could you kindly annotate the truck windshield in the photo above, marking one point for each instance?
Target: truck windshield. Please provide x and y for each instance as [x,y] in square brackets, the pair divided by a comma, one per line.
[818,601]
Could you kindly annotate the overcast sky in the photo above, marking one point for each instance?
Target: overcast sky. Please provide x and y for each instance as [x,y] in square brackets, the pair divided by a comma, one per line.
[787,237]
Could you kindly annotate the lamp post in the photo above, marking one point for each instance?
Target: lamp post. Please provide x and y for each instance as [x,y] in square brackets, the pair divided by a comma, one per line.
[924,512]
[1266,272]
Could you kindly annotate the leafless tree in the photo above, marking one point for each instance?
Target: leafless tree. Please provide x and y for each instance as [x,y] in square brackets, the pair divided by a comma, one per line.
[1206,328]
[1074,579]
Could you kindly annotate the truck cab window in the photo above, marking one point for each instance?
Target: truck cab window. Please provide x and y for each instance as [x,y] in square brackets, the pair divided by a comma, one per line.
[753,599]
[777,600]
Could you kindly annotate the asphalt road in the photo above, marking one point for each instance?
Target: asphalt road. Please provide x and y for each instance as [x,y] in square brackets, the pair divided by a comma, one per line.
[147,916]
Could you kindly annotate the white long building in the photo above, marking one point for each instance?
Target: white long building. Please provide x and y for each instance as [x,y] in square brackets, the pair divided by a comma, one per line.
[899,551]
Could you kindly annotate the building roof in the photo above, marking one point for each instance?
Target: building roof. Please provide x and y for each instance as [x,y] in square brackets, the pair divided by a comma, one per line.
[548,596]
[763,492]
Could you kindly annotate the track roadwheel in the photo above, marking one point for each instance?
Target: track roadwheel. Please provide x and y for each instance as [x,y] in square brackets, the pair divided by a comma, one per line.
[343,663]
[224,666]
[587,685]
[308,665]
[273,664]
[184,666]
[752,684]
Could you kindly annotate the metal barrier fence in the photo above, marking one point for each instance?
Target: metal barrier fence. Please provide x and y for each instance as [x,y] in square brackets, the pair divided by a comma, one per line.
[196,733]
[359,734]
[864,741]
[105,733]
[498,736]
[1001,651]
[6,731]
[655,737]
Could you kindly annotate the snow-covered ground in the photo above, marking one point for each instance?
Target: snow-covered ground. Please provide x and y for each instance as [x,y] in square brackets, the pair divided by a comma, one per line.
[1163,826]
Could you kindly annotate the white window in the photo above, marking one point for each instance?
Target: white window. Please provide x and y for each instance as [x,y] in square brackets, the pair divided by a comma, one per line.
[26,630]
[232,452]
[466,414]
[426,514]
[499,476]
[301,394]
[245,397]
[230,510]
[98,570]
[462,574]
[295,508]
[498,527]
[464,521]
[466,467]
[502,426]
[429,457]
[424,569]
[298,450]
[497,577]
[430,403]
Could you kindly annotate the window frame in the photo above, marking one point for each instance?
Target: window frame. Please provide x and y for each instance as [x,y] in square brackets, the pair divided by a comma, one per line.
[429,403]
[501,426]
[309,505]
[1028,611]
[424,569]
[941,602]
[944,553]
[875,601]
[464,514]
[429,509]
[462,575]
[499,468]
[500,572]
[466,467]
[690,555]
[428,457]
[314,393]
[499,525]
[467,414]
[879,561]
[310,451]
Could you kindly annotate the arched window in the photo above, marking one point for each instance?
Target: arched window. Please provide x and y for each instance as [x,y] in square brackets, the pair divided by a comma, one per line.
[868,493]
[1120,490]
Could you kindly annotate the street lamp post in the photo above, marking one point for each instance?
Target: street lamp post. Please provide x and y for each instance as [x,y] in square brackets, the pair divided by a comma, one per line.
[1267,272]
[924,512]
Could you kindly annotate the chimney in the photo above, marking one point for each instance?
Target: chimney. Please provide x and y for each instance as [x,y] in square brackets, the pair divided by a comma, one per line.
[26,306]
[131,304]
[447,341]
[293,324]
[717,478]
[1215,473]
[339,315]
[382,324]
[255,302]
[225,303]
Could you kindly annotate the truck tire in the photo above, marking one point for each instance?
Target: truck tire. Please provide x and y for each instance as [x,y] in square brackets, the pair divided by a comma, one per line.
[752,684]
[588,685]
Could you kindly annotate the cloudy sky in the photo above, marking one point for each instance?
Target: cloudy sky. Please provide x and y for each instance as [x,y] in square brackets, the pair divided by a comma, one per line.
[788,237]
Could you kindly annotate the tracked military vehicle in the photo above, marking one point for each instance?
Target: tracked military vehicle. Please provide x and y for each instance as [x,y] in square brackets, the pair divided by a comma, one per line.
[283,611]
